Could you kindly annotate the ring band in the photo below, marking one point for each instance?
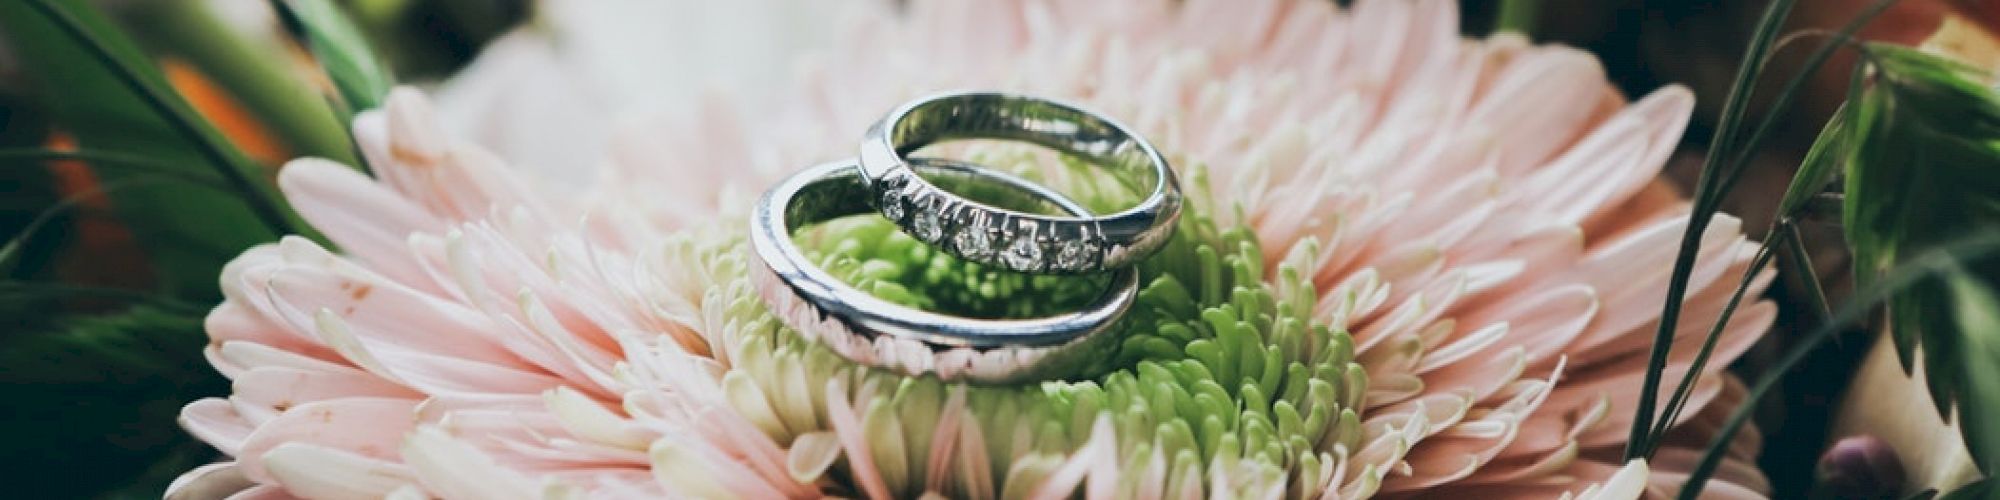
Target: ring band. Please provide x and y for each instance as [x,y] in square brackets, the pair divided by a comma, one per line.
[1020,241]
[876,332]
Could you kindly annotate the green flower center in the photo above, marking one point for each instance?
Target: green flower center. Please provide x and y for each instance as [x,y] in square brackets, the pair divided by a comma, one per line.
[871,254]
[1218,366]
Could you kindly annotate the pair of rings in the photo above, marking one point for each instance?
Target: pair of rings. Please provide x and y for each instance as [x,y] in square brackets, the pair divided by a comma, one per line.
[912,192]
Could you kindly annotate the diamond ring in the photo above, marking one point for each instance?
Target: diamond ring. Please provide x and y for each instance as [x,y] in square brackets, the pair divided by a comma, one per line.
[1024,242]
[876,332]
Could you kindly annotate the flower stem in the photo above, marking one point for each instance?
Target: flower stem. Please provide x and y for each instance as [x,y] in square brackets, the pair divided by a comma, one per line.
[1518,16]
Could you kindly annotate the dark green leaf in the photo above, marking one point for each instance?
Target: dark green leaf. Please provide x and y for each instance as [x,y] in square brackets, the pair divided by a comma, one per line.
[1977,311]
[37,298]
[1983,489]
[92,403]
[360,76]
[31,157]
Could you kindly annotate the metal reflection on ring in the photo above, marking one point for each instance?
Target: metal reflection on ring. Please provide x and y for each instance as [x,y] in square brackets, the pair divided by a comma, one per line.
[876,332]
[1020,241]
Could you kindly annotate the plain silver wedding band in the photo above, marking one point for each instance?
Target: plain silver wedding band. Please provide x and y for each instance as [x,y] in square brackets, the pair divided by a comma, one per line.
[876,332]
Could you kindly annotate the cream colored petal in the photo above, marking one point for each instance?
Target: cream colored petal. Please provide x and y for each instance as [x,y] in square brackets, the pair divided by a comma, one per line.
[454,470]
[312,471]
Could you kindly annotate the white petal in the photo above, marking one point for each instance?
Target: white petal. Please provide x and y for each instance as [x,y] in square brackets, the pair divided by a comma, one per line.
[312,471]
[455,470]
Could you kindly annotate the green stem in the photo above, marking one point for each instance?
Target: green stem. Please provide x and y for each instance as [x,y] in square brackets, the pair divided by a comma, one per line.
[217,153]
[255,74]
[1789,92]
[1802,266]
[1706,197]
[1685,389]
[1930,263]
[1518,16]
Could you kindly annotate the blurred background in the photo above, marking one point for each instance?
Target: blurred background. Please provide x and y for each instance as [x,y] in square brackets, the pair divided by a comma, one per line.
[100,323]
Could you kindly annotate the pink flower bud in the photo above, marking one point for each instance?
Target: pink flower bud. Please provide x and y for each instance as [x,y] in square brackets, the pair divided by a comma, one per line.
[1860,467]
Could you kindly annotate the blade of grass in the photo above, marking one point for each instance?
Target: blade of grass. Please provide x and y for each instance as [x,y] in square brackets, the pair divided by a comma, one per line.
[111,159]
[18,291]
[1704,210]
[1813,175]
[1931,263]
[1686,387]
[343,53]
[14,245]
[1789,93]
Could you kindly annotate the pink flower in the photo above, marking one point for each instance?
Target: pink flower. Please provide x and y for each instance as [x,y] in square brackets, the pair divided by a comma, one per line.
[1475,224]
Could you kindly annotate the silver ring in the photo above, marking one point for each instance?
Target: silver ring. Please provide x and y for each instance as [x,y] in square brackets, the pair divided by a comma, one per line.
[883,334]
[1020,241]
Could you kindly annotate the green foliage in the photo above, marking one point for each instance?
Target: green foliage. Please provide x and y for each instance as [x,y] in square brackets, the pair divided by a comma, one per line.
[93,396]
[1919,143]
[1943,263]
[260,76]
[1977,313]
[1923,169]
[86,413]
[361,77]
[1984,489]
[109,97]
[1718,175]
[1218,365]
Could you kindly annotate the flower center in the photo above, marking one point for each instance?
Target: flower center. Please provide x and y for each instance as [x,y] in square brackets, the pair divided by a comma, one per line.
[1218,367]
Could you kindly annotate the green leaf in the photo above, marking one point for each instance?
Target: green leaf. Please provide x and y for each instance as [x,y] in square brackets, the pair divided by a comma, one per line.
[1977,311]
[93,400]
[27,157]
[1983,489]
[107,96]
[1821,162]
[343,53]
[1924,169]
